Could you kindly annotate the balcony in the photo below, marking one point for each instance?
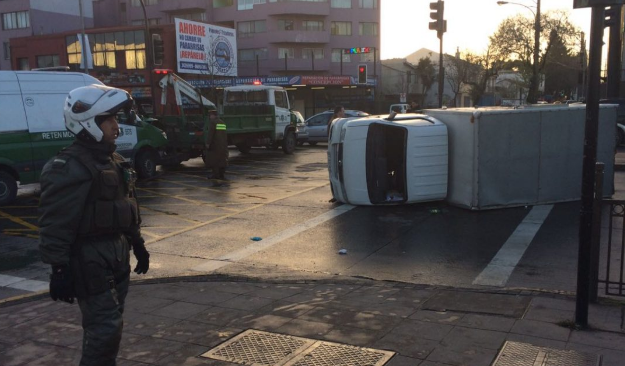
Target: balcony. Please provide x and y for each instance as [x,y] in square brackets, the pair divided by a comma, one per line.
[175,6]
[299,64]
[299,37]
[297,8]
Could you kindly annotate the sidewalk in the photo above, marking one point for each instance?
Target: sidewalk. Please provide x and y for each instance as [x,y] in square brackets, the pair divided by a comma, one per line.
[173,323]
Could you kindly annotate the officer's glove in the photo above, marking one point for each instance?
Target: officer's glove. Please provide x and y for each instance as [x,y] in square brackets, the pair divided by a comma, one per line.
[142,255]
[62,284]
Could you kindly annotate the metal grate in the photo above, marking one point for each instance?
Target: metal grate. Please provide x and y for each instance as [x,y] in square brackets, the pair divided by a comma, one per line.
[523,354]
[333,354]
[255,347]
[258,348]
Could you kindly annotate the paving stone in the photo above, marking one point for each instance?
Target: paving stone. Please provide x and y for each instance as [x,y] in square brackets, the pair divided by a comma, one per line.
[244,302]
[553,303]
[286,308]
[391,309]
[540,329]
[535,341]
[305,328]
[149,350]
[180,310]
[40,354]
[277,292]
[147,324]
[399,360]
[165,291]
[549,315]
[427,330]
[613,341]
[486,322]
[354,336]
[374,322]
[267,322]
[329,315]
[220,316]
[144,304]
[473,356]
[445,317]
[463,338]
[213,337]
[187,355]
[410,346]
[184,331]
[477,302]
[209,297]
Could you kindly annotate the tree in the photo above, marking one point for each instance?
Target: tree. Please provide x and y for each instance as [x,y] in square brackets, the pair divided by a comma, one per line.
[561,70]
[514,39]
[457,73]
[427,74]
[483,68]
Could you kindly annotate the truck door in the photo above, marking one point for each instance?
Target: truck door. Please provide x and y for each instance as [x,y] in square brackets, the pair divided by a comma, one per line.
[283,115]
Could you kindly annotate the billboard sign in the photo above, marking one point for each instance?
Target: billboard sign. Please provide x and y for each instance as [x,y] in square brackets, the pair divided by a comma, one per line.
[205,49]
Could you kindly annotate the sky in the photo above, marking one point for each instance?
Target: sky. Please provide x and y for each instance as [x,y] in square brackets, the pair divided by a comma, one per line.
[404,23]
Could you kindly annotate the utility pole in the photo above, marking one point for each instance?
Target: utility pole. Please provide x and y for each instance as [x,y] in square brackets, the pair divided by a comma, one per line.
[83,46]
[149,55]
[613,22]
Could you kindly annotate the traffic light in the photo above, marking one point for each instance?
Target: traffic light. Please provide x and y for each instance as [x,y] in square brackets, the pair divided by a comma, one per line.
[362,74]
[158,49]
[439,24]
[612,16]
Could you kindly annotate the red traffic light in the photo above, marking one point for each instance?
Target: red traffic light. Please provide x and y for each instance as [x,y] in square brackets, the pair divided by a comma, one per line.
[162,71]
[361,69]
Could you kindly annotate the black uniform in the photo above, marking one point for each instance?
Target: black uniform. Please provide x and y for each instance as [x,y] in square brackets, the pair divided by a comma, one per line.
[216,153]
[89,219]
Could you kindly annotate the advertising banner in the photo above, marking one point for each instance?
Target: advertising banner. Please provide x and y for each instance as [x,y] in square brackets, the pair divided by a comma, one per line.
[205,49]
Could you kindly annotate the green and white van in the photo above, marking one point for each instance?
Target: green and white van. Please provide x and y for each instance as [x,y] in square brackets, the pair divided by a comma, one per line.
[32,128]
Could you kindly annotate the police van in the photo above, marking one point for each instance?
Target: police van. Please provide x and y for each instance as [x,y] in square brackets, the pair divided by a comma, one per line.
[32,128]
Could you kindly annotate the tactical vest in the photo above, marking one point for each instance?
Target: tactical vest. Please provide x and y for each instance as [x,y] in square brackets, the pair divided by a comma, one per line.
[111,206]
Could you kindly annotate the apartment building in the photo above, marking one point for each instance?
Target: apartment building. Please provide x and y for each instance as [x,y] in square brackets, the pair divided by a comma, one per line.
[21,18]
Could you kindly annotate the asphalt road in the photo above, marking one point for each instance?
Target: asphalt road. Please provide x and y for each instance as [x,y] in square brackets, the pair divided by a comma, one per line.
[194,227]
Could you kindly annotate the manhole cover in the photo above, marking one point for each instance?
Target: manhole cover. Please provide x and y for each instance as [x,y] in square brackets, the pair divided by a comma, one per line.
[523,354]
[258,348]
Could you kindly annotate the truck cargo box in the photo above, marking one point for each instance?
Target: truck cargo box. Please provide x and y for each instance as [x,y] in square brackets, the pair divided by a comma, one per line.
[501,157]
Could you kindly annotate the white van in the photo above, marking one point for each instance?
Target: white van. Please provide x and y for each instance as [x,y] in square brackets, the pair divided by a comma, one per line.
[399,108]
[32,128]
[378,160]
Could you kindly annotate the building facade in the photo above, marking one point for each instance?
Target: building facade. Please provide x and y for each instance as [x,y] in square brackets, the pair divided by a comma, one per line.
[21,18]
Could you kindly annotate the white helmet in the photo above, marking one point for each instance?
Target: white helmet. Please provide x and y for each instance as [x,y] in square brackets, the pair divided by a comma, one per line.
[86,107]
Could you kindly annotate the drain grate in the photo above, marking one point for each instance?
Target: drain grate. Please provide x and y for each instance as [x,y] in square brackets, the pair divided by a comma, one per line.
[258,348]
[523,354]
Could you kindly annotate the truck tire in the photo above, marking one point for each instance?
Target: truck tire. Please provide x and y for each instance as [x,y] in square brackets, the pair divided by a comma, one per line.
[8,188]
[145,164]
[244,148]
[288,144]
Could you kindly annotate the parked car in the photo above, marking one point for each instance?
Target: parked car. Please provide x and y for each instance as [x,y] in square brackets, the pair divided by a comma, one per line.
[399,108]
[301,130]
[317,125]
[620,118]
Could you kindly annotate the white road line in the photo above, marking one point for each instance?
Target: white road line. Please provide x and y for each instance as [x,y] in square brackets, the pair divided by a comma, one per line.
[256,247]
[501,266]
[20,283]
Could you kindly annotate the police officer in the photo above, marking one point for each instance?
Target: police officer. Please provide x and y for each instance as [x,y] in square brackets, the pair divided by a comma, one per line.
[89,220]
[216,152]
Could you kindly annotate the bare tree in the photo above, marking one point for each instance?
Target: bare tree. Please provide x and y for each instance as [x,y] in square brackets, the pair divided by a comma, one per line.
[427,75]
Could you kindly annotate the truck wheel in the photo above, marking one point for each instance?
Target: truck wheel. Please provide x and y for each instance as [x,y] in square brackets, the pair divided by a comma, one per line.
[145,164]
[288,144]
[244,147]
[8,188]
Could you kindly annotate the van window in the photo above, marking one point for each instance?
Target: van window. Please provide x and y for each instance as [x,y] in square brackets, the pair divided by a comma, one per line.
[235,97]
[257,96]
[281,99]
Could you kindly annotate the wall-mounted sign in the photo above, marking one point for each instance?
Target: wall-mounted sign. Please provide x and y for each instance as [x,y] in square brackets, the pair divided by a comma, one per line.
[205,49]
[357,50]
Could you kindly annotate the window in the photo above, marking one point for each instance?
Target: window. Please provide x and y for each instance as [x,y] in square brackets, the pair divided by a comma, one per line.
[368,29]
[48,61]
[15,20]
[312,25]
[250,54]
[247,29]
[22,64]
[285,25]
[336,55]
[196,17]
[104,46]
[368,4]
[308,52]
[257,96]
[222,3]
[343,4]
[249,4]
[366,57]
[6,47]
[281,99]
[341,29]
[146,2]
[308,1]
[289,52]
[151,21]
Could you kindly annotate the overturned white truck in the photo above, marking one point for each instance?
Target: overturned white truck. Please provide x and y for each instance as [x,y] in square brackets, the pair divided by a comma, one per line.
[497,157]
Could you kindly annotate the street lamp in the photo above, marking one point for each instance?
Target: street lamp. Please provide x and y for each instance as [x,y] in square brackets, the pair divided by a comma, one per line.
[532,95]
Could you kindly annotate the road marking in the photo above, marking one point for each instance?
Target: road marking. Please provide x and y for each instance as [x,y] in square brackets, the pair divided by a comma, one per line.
[20,283]
[19,221]
[501,266]
[256,247]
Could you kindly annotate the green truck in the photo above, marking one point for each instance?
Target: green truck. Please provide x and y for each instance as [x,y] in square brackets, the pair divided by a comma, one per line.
[255,115]
[32,128]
